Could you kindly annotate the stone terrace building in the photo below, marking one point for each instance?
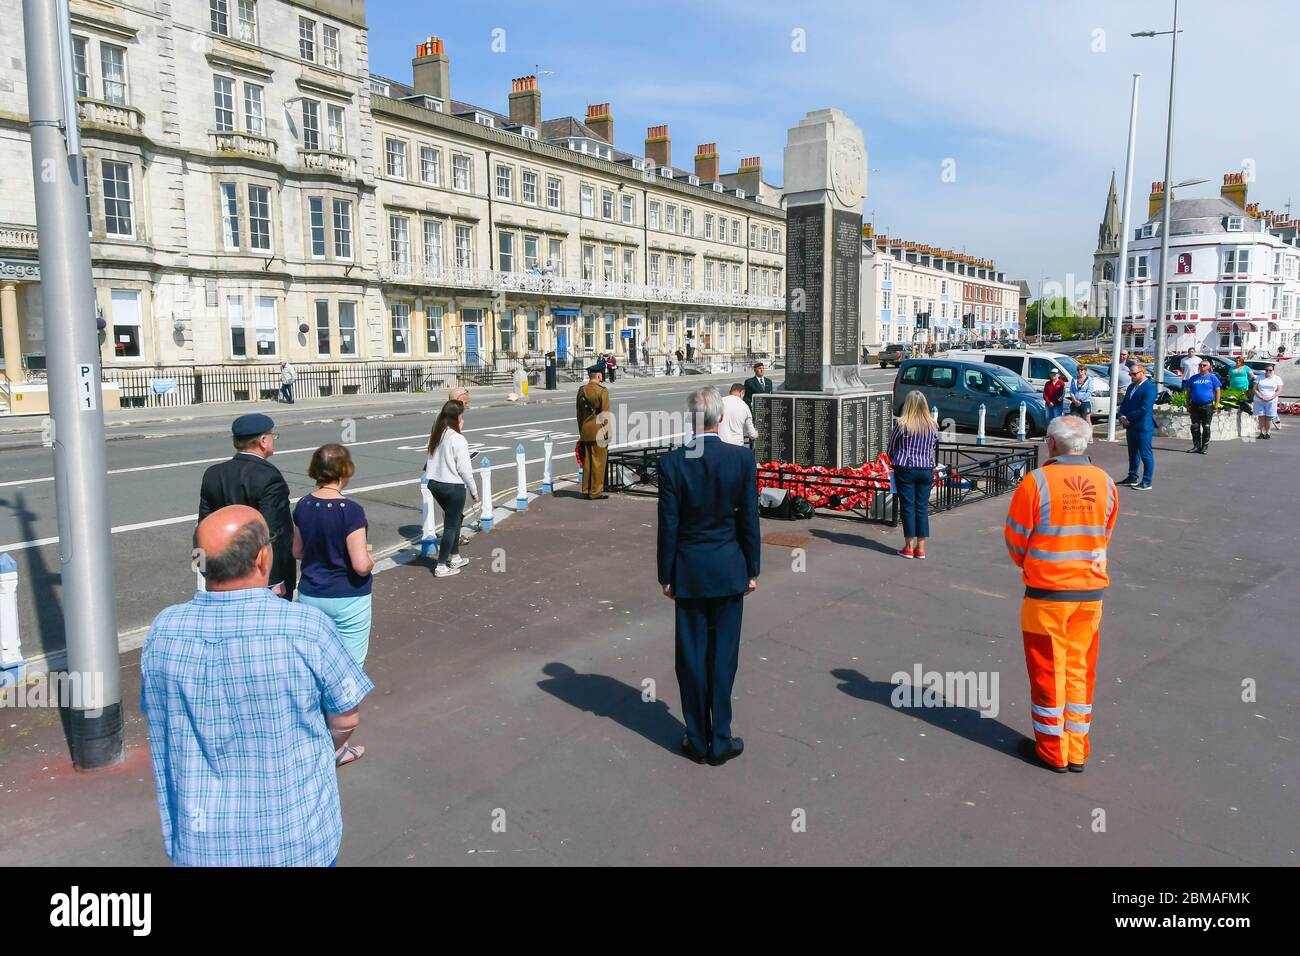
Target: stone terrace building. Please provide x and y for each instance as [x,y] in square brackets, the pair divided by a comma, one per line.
[228,157]
[954,297]
[506,235]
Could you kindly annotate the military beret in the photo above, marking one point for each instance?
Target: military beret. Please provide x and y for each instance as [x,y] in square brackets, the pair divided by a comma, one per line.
[246,426]
[593,369]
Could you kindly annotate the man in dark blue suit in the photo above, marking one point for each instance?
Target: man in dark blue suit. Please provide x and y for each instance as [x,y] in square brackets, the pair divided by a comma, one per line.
[1139,427]
[708,562]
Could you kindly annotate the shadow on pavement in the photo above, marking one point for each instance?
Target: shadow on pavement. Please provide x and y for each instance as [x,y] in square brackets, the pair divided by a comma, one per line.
[963,721]
[854,540]
[621,703]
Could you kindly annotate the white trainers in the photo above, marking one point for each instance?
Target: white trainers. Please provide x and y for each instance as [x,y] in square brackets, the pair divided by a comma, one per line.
[445,571]
[457,562]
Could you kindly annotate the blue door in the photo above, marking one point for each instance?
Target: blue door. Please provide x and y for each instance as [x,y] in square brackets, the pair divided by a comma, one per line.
[472,356]
[562,342]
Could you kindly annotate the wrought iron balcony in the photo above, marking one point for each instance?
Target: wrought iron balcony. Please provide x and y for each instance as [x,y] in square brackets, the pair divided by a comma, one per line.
[532,283]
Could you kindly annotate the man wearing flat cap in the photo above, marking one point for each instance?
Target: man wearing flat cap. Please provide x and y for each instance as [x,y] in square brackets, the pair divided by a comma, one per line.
[594,432]
[249,479]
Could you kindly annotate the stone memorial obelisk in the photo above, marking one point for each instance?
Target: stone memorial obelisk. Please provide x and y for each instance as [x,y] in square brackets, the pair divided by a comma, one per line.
[823,414]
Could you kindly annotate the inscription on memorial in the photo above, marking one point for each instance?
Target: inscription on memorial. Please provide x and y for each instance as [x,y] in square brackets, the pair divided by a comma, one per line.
[805,254]
[774,421]
[845,265]
[815,431]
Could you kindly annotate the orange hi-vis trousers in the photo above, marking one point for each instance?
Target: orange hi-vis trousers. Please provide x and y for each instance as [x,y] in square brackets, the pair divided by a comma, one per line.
[1061,639]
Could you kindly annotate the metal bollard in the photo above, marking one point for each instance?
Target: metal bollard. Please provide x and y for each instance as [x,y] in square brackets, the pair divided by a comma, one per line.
[12,665]
[521,479]
[1020,431]
[485,471]
[547,485]
[979,437]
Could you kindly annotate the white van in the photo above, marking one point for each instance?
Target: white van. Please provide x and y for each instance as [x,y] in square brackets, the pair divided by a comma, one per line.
[1035,365]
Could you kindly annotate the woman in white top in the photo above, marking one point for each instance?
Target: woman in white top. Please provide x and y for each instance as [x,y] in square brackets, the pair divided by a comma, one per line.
[449,476]
[1267,388]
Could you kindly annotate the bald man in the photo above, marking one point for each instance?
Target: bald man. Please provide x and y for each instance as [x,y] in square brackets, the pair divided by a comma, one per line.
[459,394]
[250,702]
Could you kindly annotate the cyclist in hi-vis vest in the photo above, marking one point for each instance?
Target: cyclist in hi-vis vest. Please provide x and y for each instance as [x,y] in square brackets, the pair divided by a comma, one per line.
[1058,529]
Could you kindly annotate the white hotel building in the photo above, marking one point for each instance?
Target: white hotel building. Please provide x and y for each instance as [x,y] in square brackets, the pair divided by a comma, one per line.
[1234,276]
[955,297]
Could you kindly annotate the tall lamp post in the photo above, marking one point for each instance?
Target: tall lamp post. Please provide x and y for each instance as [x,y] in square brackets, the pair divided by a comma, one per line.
[1162,303]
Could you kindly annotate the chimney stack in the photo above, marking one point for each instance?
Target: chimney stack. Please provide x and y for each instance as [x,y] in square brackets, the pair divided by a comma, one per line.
[750,175]
[706,162]
[601,121]
[431,71]
[525,102]
[1234,188]
[658,147]
[1157,200]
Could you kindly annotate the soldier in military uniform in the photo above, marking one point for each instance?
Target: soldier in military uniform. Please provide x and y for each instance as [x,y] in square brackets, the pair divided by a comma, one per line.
[594,432]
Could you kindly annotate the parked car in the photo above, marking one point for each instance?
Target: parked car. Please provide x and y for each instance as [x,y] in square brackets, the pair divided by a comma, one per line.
[1034,365]
[957,388]
[1221,367]
[893,355]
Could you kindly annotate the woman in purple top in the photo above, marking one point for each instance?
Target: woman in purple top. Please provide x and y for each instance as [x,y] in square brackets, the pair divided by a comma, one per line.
[911,454]
[329,538]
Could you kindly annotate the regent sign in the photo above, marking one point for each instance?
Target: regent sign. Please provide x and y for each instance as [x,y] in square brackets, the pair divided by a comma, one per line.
[24,270]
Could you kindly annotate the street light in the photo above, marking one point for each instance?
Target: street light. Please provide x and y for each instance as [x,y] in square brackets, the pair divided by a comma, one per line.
[1164,212]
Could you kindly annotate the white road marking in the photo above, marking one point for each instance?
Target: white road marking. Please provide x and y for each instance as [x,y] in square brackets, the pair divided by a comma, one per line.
[279,451]
[181,519]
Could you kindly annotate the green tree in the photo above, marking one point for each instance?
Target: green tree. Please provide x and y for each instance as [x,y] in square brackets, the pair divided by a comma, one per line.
[1058,316]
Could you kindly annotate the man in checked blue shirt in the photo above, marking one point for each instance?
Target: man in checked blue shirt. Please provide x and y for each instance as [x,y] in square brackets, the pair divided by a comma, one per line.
[250,701]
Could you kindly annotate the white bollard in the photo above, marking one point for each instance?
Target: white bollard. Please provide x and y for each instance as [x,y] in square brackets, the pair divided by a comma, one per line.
[547,485]
[1020,431]
[521,480]
[485,471]
[979,437]
[934,410]
[12,666]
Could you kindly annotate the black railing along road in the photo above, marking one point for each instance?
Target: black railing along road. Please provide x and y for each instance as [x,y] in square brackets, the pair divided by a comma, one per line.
[966,474]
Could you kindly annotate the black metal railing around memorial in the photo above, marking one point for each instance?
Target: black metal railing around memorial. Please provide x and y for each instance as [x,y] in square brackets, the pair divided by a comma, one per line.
[964,474]
[173,386]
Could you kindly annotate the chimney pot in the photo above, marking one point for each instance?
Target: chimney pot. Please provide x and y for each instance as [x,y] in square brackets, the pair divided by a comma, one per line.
[658,146]
[431,70]
[706,162]
[525,102]
[601,121]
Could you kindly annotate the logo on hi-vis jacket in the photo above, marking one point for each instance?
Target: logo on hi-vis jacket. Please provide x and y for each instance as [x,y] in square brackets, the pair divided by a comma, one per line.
[1080,494]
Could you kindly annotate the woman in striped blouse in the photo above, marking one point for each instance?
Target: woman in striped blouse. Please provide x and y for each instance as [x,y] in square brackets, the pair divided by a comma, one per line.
[911,452]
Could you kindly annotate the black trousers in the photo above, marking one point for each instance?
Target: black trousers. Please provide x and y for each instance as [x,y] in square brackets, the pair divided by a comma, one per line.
[1201,415]
[708,653]
[451,499]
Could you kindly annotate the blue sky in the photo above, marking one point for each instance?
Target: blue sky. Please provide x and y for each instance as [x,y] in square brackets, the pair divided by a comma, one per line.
[1030,99]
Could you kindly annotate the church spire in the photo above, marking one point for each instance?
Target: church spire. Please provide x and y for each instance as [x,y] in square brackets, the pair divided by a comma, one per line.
[1108,232]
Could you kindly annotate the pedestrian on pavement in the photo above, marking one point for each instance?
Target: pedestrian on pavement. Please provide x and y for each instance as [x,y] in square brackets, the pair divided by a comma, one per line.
[1135,414]
[911,451]
[680,359]
[250,702]
[449,477]
[329,540]
[287,377]
[1058,531]
[645,354]
[708,560]
[1204,389]
[737,423]
[1080,395]
[757,384]
[250,479]
[603,364]
[1242,375]
[1125,377]
[611,366]
[1190,364]
[1054,395]
[1267,389]
[594,432]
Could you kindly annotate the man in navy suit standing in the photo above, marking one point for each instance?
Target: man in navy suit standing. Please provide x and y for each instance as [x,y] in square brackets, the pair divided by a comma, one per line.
[1139,426]
[708,562]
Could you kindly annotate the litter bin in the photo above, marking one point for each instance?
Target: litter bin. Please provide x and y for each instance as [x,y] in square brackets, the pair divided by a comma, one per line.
[551,374]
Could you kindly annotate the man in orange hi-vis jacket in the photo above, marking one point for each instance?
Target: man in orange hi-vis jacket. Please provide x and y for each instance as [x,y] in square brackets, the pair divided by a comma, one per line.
[1058,530]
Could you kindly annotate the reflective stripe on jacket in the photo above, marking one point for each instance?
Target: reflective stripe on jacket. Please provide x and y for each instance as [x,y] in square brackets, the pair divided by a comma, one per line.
[1059,526]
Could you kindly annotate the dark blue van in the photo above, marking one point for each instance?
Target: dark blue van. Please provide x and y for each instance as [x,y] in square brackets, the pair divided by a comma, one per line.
[957,388]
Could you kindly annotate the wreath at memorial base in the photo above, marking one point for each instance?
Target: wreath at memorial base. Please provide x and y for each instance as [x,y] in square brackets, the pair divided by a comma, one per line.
[838,489]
